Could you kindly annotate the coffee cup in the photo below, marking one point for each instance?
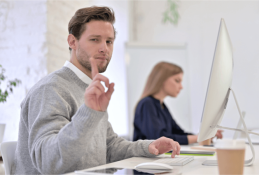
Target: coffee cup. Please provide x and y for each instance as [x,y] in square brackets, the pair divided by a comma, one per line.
[205,142]
[231,156]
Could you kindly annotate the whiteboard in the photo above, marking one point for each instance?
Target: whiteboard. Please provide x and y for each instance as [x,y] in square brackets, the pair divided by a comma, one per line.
[140,59]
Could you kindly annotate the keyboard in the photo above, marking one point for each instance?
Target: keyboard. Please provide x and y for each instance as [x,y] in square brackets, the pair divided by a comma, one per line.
[177,161]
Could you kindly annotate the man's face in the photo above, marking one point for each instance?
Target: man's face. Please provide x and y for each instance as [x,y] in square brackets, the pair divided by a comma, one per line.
[97,42]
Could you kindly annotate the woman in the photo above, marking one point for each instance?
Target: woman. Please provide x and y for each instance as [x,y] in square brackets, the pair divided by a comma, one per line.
[152,118]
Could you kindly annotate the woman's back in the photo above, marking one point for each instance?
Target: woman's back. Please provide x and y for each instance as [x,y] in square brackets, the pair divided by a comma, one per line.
[153,120]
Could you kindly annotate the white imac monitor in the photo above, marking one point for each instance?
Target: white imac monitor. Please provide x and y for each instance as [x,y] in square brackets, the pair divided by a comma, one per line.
[219,84]
[218,91]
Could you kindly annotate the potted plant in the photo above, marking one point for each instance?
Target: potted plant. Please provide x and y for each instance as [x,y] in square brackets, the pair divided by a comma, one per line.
[10,85]
[4,94]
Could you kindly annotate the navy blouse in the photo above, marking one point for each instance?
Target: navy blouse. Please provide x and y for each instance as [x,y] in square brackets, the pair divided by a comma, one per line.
[153,121]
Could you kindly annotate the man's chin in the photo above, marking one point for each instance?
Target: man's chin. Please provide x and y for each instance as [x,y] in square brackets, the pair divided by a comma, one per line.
[102,70]
[102,67]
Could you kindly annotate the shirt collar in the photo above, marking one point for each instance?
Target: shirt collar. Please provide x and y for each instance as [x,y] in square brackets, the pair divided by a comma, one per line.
[78,72]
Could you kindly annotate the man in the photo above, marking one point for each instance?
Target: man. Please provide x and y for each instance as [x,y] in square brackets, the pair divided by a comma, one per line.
[64,124]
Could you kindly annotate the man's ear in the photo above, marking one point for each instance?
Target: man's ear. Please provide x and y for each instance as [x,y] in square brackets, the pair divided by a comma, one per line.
[71,40]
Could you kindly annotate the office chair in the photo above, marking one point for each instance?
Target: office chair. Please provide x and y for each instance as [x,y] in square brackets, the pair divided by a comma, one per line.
[8,151]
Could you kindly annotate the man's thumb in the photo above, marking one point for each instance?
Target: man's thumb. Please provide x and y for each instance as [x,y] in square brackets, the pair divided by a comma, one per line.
[153,150]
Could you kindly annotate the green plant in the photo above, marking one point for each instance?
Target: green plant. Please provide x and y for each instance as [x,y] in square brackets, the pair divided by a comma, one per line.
[171,14]
[11,83]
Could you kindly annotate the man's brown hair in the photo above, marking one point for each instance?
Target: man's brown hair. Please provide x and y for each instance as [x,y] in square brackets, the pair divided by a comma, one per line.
[82,16]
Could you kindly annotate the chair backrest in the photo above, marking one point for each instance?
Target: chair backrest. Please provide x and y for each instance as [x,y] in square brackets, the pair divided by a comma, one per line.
[8,151]
[2,129]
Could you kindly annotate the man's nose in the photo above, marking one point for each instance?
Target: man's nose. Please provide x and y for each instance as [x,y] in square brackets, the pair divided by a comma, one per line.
[103,47]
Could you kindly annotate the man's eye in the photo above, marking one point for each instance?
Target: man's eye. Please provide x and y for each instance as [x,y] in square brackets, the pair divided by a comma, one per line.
[94,40]
[109,42]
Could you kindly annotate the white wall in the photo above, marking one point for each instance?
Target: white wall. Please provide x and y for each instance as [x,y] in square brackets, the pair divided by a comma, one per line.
[32,44]
[118,111]
[59,13]
[141,58]
[22,54]
[198,27]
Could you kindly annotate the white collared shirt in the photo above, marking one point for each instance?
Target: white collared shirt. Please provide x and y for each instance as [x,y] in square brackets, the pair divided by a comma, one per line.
[78,72]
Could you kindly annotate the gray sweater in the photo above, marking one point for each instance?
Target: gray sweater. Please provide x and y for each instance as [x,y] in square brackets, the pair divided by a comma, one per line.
[59,134]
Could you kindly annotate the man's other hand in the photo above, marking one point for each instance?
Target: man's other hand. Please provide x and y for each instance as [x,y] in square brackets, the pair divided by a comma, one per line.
[95,96]
[163,145]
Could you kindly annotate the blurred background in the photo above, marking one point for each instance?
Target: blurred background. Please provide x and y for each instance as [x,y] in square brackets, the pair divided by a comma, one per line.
[33,44]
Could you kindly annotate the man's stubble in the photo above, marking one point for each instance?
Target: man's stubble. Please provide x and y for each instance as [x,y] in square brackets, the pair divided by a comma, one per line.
[83,58]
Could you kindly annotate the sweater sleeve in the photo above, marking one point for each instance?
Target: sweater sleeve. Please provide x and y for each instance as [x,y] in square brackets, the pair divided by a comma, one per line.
[151,126]
[56,143]
[118,148]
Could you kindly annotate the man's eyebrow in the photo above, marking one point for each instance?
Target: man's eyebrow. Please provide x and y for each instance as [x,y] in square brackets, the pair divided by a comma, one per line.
[111,38]
[98,36]
[95,36]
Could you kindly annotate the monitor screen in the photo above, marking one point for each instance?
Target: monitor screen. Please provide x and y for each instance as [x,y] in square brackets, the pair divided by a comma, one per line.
[219,85]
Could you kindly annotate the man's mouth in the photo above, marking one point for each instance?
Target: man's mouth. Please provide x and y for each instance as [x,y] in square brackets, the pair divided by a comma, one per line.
[102,58]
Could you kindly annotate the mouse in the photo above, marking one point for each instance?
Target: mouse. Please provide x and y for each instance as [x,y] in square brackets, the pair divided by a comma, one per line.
[154,166]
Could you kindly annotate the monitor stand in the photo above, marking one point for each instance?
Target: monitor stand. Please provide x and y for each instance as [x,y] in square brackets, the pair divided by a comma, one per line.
[247,162]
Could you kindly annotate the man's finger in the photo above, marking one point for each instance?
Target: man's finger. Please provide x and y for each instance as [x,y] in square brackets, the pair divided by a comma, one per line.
[94,67]
[94,90]
[178,148]
[173,153]
[98,85]
[100,77]
[172,143]
[110,90]
[153,150]
[175,148]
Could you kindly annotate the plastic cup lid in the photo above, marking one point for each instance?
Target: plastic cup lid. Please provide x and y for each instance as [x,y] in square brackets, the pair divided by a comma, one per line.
[230,144]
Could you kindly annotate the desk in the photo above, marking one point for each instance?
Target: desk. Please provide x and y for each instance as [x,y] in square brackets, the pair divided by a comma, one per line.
[193,168]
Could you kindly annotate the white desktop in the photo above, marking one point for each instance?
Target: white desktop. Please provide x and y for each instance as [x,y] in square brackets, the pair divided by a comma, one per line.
[193,168]
[218,92]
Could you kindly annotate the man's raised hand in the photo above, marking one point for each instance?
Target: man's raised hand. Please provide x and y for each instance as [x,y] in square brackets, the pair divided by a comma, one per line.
[95,96]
